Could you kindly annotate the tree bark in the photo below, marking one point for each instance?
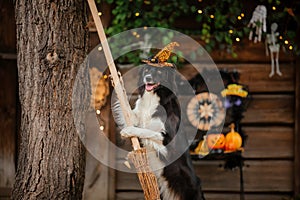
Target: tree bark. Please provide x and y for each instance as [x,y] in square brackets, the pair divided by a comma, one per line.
[52,45]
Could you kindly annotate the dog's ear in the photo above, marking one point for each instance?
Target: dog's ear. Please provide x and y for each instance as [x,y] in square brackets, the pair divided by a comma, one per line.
[169,79]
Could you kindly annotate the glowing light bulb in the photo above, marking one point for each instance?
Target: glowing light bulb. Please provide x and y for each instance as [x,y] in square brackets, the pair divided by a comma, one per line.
[99,13]
[290,47]
[101,128]
[280,37]
[137,14]
[98,112]
[237,39]
[212,16]
[239,17]
[230,31]
[273,8]
[99,48]
[286,42]
[242,15]
[200,11]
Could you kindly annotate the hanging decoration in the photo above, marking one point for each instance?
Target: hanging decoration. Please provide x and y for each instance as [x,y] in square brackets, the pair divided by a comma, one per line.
[235,101]
[273,47]
[205,110]
[258,23]
[234,89]
[213,140]
[99,88]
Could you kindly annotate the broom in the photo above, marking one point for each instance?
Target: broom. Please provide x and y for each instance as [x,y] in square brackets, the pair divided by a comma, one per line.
[139,155]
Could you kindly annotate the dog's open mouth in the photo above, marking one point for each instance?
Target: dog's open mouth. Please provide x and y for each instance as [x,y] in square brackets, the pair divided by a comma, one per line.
[151,86]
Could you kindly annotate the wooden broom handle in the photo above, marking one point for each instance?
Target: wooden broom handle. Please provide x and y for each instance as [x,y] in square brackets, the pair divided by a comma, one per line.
[120,91]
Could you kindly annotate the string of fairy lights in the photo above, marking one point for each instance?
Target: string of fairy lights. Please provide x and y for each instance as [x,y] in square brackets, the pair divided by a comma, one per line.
[135,11]
[284,40]
[241,17]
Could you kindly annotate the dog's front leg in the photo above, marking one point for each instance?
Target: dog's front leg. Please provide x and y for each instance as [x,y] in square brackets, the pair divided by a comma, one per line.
[149,137]
[143,133]
[153,130]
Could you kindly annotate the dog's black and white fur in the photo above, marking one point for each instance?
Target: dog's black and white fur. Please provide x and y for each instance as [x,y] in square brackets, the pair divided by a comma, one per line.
[156,123]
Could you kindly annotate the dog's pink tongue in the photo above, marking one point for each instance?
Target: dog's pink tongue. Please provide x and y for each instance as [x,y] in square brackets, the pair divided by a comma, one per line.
[150,87]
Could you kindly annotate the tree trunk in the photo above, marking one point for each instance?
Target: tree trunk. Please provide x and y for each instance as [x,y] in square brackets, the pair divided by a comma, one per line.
[51,44]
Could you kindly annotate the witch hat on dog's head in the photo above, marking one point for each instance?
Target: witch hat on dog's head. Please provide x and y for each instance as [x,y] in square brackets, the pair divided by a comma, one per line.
[160,59]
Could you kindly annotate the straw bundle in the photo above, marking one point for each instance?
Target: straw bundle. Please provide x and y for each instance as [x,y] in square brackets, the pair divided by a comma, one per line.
[139,156]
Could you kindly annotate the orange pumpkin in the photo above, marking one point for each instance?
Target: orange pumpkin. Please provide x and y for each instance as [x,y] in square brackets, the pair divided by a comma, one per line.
[215,141]
[233,140]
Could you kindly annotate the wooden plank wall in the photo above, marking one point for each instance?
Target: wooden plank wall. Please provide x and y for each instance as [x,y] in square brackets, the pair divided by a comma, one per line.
[269,123]
[269,170]
[297,127]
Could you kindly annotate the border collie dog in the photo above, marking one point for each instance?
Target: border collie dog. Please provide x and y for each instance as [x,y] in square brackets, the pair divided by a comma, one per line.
[157,125]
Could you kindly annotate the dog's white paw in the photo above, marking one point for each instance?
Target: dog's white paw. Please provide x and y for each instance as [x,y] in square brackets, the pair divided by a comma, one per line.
[129,131]
[132,131]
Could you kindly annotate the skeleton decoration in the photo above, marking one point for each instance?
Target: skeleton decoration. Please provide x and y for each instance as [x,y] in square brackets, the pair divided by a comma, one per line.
[274,47]
[258,22]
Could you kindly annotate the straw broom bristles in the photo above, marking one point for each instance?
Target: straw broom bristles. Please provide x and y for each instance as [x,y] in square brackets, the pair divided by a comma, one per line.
[147,179]
[139,156]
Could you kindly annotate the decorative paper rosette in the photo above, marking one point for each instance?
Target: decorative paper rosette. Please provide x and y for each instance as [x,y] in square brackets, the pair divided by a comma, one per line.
[205,110]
